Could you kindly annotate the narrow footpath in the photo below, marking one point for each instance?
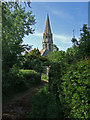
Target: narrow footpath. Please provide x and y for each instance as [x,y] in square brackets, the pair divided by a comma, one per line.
[17,107]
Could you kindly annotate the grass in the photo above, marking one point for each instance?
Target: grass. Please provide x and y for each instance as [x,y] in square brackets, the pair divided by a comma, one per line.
[44,77]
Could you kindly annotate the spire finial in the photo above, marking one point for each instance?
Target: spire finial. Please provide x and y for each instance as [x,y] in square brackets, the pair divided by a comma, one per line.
[47,27]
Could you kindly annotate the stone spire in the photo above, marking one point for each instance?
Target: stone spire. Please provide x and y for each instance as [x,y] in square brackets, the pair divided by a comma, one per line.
[47,27]
[47,43]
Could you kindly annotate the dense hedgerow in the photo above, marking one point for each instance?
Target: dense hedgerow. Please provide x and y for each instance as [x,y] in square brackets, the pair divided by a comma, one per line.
[19,80]
[74,90]
[67,95]
[71,87]
[13,81]
[31,76]
[44,105]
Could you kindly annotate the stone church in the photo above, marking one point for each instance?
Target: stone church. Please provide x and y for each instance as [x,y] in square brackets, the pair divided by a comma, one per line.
[47,43]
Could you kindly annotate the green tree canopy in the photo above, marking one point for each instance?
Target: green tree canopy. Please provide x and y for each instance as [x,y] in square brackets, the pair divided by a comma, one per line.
[16,23]
[84,42]
[56,56]
[33,60]
[55,48]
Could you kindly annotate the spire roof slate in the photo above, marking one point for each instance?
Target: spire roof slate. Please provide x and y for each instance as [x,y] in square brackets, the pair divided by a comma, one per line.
[47,27]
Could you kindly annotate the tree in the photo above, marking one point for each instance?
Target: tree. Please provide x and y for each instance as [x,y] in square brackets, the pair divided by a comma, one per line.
[16,23]
[81,48]
[55,48]
[74,41]
[84,42]
[35,52]
[56,56]
[34,61]
[72,54]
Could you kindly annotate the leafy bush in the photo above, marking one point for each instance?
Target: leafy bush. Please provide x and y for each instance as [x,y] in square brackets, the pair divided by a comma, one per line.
[56,56]
[19,80]
[70,84]
[34,61]
[75,90]
[31,76]
[13,81]
[44,105]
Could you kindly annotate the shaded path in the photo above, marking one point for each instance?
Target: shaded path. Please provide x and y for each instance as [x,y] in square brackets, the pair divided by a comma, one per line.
[18,106]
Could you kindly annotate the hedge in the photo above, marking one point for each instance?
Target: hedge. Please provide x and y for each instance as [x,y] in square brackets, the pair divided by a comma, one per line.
[75,90]
[17,80]
[31,76]
[44,106]
[71,87]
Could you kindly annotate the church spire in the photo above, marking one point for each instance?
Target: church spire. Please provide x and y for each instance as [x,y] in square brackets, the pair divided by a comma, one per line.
[47,42]
[47,27]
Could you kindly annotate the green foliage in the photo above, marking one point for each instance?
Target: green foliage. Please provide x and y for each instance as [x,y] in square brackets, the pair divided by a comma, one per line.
[57,65]
[13,82]
[75,90]
[34,52]
[31,77]
[44,105]
[55,48]
[16,23]
[72,55]
[74,41]
[44,77]
[17,80]
[56,56]
[69,81]
[34,61]
[84,45]
[68,85]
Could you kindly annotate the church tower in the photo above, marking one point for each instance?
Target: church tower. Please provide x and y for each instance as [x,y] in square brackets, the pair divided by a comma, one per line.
[47,42]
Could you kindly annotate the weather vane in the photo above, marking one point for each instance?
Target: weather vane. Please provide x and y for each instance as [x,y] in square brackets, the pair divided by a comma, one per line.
[73,33]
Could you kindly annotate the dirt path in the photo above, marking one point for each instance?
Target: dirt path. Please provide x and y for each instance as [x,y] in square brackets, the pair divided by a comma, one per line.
[18,106]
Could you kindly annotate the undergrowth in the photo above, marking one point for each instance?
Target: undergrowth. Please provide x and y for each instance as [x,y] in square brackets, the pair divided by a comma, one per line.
[44,105]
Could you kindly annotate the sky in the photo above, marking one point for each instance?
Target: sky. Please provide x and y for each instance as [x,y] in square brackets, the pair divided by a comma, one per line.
[63,16]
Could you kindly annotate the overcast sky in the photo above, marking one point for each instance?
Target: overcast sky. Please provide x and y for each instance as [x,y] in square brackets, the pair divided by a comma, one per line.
[63,16]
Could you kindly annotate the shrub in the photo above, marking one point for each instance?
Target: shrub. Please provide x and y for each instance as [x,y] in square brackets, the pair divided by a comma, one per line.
[19,80]
[71,87]
[31,77]
[44,105]
[13,82]
[75,90]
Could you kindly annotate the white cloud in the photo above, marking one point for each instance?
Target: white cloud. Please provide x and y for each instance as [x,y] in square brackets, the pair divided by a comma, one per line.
[62,41]
[38,34]
[63,38]
[62,14]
